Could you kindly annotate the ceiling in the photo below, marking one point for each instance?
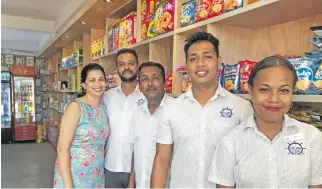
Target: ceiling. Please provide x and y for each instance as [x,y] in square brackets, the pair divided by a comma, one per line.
[27,25]
[36,9]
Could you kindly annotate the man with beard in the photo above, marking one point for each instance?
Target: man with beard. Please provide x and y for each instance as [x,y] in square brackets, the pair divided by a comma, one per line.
[119,101]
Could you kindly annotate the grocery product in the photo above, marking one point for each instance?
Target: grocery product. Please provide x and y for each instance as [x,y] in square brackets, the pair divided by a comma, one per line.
[221,73]
[147,9]
[122,34]
[168,79]
[131,28]
[232,78]
[246,67]
[217,8]
[203,10]
[309,72]
[247,2]
[186,80]
[110,37]
[232,5]
[116,35]
[168,17]
[150,32]
[188,12]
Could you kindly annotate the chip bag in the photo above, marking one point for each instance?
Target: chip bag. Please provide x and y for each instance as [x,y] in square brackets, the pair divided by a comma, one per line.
[188,12]
[122,34]
[217,8]
[221,73]
[245,69]
[168,17]
[232,5]
[232,78]
[131,28]
[147,9]
[203,10]
[168,79]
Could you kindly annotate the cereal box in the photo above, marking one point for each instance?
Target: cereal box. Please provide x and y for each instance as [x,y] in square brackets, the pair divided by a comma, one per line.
[232,78]
[232,5]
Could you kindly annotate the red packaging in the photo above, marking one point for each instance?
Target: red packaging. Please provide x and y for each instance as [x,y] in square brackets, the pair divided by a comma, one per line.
[217,8]
[131,28]
[168,17]
[203,10]
[246,67]
[145,17]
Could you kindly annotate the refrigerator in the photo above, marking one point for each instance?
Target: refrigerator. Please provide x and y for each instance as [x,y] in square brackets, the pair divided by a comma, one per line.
[6,108]
[23,85]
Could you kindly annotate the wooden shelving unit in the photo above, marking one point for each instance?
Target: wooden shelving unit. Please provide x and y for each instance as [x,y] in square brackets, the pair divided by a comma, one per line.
[252,32]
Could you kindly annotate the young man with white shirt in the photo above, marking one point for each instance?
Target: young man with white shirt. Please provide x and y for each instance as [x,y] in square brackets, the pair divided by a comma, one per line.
[194,123]
[119,102]
[145,120]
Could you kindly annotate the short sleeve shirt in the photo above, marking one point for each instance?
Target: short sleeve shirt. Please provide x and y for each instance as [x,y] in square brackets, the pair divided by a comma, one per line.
[195,131]
[248,159]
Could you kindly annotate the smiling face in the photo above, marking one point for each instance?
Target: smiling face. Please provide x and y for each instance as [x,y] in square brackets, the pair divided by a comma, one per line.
[202,63]
[127,67]
[151,83]
[271,93]
[95,83]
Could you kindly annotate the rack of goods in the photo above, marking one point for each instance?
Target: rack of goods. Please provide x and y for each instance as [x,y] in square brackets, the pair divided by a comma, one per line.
[248,30]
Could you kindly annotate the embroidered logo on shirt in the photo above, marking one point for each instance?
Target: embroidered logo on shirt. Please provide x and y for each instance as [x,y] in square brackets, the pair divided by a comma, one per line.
[295,148]
[226,112]
[140,102]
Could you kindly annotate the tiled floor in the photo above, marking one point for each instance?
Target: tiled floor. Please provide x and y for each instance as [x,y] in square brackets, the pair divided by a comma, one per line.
[27,165]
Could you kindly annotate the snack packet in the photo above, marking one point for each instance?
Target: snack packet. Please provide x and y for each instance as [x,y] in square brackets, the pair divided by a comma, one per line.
[147,9]
[232,78]
[168,17]
[188,12]
[247,2]
[217,8]
[131,28]
[203,10]
[221,73]
[232,5]
[245,69]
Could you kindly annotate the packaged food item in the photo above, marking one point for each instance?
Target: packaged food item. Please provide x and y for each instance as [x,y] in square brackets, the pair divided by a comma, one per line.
[168,79]
[150,32]
[317,41]
[188,12]
[147,9]
[168,17]
[122,34]
[221,73]
[203,10]
[309,72]
[186,80]
[110,36]
[158,18]
[246,67]
[217,8]
[131,28]
[247,2]
[232,78]
[116,36]
[232,5]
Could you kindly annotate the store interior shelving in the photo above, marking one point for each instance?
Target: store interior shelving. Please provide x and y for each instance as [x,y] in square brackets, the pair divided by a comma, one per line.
[252,32]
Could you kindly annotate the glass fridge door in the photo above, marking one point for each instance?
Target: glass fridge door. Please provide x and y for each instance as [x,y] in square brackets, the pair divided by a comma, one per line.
[5,105]
[24,100]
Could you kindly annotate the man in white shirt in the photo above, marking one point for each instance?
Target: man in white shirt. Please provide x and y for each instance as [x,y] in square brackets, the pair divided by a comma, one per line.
[119,102]
[194,123]
[144,122]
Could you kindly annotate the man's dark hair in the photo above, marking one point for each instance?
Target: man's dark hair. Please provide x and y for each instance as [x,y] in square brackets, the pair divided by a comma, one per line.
[155,64]
[198,37]
[269,62]
[124,51]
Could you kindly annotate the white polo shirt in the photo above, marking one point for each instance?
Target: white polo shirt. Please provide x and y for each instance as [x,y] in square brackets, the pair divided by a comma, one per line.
[247,158]
[144,127]
[118,150]
[195,131]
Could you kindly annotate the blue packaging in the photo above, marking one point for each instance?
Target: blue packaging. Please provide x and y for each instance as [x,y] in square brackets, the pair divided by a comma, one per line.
[231,78]
[188,12]
[221,73]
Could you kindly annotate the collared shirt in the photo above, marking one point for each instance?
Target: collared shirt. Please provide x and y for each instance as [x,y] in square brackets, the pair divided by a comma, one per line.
[143,137]
[118,150]
[247,158]
[195,131]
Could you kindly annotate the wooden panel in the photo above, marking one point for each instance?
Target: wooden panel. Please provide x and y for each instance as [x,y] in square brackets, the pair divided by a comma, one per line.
[108,63]
[86,49]
[138,21]
[67,50]
[162,52]
[124,9]
[96,34]
[235,44]
[291,38]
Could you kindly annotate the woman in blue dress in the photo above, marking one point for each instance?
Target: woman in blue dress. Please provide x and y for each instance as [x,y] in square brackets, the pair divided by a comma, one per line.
[83,131]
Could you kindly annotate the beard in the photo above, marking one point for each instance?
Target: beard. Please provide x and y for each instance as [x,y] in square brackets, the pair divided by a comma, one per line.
[128,79]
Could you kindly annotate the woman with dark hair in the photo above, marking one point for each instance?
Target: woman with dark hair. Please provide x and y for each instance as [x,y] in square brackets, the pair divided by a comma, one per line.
[270,149]
[83,131]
